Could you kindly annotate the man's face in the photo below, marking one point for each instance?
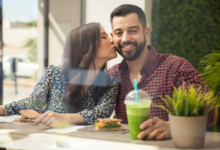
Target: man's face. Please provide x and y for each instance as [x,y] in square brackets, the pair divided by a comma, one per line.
[128,36]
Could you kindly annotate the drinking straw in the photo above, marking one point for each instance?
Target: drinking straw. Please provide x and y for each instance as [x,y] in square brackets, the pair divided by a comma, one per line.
[136,90]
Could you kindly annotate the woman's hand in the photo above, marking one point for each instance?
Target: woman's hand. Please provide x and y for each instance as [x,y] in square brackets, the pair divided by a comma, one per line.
[2,111]
[155,128]
[53,119]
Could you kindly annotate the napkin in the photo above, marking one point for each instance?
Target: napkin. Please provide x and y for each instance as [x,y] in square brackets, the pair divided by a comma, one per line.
[65,130]
[8,119]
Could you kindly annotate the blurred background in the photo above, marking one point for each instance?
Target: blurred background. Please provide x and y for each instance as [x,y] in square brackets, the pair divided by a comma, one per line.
[32,34]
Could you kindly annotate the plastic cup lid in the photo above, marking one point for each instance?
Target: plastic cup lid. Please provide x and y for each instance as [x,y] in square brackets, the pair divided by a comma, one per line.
[143,97]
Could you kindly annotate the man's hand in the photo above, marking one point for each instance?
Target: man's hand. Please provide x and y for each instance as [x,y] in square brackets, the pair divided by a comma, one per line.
[52,119]
[155,128]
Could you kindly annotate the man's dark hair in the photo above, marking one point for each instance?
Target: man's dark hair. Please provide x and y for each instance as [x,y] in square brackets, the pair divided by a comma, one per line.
[126,9]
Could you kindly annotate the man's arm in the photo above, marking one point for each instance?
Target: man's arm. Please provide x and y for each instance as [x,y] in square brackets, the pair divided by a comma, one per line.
[190,76]
[183,71]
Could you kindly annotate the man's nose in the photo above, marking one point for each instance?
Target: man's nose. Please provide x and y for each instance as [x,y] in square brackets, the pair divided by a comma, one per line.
[125,37]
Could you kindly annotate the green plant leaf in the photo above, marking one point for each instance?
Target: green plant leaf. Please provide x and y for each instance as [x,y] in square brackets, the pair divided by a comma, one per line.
[162,107]
[189,101]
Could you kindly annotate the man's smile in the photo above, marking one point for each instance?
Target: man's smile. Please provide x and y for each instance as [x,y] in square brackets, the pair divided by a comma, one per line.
[128,46]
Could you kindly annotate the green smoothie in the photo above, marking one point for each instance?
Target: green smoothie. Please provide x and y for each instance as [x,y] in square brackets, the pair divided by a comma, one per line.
[137,113]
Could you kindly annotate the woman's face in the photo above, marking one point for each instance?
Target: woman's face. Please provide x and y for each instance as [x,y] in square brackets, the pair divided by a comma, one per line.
[106,50]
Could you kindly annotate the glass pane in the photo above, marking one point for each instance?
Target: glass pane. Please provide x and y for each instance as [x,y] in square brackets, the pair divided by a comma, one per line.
[20,48]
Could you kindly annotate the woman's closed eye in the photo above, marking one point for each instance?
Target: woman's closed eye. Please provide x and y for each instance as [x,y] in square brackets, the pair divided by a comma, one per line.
[104,35]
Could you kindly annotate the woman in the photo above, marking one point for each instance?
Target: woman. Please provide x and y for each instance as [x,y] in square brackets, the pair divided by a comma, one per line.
[79,91]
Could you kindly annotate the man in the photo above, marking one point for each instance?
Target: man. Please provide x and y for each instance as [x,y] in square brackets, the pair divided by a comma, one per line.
[155,73]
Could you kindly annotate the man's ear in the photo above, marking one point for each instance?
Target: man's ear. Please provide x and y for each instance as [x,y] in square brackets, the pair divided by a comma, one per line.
[147,32]
[111,35]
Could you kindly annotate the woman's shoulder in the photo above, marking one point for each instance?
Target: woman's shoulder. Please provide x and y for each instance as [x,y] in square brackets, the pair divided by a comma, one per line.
[54,71]
[112,81]
[52,68]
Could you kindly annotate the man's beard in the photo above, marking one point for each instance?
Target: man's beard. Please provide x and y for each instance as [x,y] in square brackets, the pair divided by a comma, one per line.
[134,54]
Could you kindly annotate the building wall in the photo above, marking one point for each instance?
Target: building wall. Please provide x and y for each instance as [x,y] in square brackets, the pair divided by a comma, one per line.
[64,15]
[16,37]
[40,41]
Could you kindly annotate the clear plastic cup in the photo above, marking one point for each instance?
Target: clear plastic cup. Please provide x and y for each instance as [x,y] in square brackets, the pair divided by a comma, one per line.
[137,111]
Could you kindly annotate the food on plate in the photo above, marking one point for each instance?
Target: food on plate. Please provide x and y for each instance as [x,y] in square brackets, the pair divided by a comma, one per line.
[108,124]
[28,115]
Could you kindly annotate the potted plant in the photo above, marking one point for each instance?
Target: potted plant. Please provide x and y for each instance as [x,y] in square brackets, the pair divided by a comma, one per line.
[188,109]
[209,68]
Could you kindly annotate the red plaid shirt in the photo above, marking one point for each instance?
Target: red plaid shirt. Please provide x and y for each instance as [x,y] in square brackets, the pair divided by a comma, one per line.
[159,73]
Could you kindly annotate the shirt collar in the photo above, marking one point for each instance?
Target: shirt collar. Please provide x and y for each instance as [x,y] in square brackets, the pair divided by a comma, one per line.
[150,63]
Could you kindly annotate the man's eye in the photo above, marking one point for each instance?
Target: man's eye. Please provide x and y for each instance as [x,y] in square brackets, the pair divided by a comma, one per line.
[133,31]
[104,37]
[118,33]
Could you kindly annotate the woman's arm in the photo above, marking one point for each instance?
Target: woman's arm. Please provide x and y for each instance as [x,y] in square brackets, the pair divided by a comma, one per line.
[37,99]
[103,109]
[3,111]
[105,105]
[53,119]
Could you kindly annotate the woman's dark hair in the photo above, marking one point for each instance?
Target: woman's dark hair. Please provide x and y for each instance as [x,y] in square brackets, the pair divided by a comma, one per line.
[80,50]
[126,9]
